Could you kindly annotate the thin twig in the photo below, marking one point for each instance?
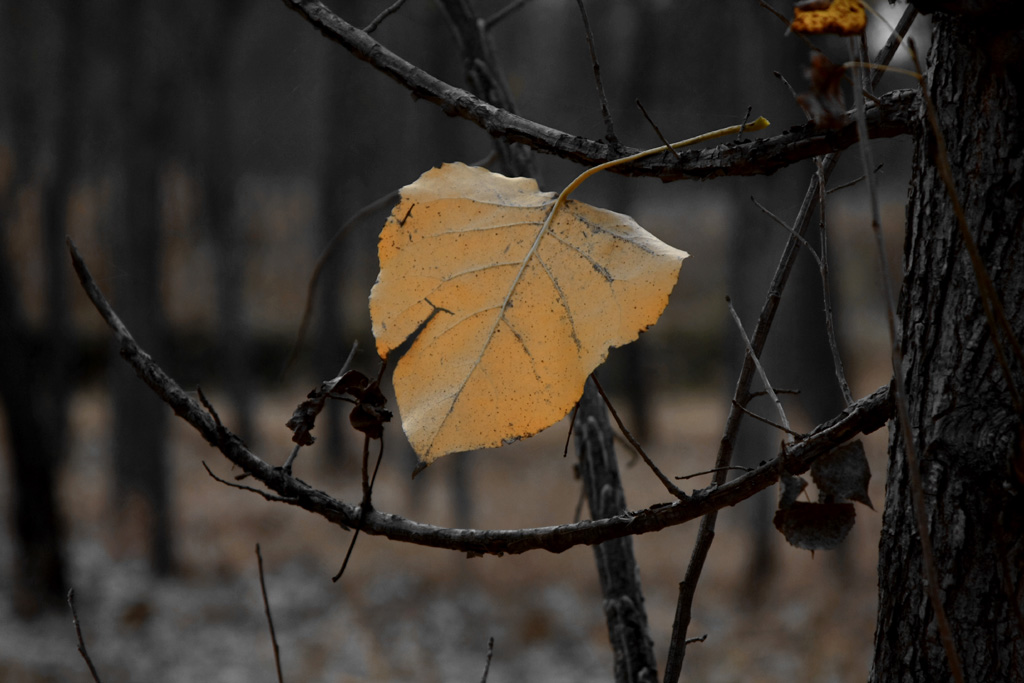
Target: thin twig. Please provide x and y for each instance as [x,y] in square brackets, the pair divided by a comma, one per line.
[376,468]
[688,586]
[78,632]
[672,488]
[348,554]
[568,437]
[785,22]
[657,130]
[350,358]
[793,392]
[367,487]
[209,407]
[781,17]
[746,120]
[621,440]
[493,20]
[487,663]
[270,619]
[325,256]
[684,603]
[837,361]
[760,371]
[770,423]
[713,470]
[366,505]
[826,291]
[372,26]
[609,126]
[266,496]
[793,233]
[697,639]
[792,91]
[851,183]
[287,466]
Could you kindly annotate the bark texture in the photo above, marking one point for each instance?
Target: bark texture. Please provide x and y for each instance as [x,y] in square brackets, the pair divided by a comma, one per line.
[616,565]
[967,432]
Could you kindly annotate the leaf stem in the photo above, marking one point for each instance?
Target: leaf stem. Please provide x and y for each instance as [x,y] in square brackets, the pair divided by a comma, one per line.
[759,124]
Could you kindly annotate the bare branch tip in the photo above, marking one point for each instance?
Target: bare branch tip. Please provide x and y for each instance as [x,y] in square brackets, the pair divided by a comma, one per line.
[78,634]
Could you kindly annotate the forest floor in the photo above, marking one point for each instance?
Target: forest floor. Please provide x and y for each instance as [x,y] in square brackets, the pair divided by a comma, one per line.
[406,613]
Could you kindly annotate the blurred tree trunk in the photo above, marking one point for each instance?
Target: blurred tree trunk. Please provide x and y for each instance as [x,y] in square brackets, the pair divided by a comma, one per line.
[638,76]
[141,470]
[35,451]
[220,176]
[35,364]
[966,430]
[330,345]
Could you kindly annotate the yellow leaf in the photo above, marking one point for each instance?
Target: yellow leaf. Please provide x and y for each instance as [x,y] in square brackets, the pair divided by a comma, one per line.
[843,17]
[509,311]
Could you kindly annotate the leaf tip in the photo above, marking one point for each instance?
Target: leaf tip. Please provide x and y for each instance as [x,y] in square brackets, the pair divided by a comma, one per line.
[760,123]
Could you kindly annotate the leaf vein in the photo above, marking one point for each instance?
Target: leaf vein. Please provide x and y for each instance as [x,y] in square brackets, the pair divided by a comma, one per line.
[564,300]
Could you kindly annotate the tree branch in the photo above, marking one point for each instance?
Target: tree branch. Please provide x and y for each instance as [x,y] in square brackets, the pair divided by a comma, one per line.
[705,535]
[896,116]
[863,416]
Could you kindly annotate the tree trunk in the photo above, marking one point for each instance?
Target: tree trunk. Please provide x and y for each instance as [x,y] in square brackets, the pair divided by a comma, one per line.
[38,579]
[330,342]
[965,427]
[616,565]
[141,470]
[35,360]
[221,173]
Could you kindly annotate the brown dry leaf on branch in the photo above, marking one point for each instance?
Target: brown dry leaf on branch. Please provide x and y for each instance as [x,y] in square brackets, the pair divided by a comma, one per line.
[824,104]
[506,312]
[842,17]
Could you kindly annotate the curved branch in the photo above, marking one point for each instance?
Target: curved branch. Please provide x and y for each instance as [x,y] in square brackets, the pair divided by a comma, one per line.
[893,116]
[863,416]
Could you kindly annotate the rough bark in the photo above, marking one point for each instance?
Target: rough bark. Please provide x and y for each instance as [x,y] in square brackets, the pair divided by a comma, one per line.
[966,430]
[616,564]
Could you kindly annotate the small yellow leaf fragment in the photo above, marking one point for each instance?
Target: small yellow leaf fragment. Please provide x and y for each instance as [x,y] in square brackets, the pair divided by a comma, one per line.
[505,318]
[842,17]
